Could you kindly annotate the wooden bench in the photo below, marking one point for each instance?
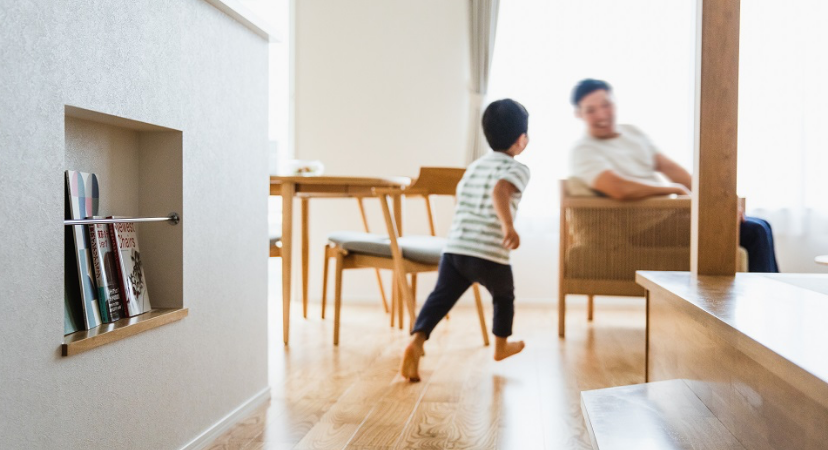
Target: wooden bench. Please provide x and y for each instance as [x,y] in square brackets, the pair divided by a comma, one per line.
[660,415]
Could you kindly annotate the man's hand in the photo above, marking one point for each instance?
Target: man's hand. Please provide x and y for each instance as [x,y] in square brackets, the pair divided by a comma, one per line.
[511,239]
[673,171]
[680,189]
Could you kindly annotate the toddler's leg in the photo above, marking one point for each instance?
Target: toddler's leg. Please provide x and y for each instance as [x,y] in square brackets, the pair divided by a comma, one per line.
[450,286]
[498,280]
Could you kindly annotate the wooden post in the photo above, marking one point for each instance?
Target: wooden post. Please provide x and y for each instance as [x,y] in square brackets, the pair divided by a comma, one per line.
[714,237]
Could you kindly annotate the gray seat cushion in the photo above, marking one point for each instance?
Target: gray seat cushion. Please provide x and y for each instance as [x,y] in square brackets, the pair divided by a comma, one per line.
[421,249]
[341,238]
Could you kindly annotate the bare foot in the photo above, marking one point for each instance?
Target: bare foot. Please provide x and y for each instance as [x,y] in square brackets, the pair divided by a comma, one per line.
[411,358]
[411,363]
[505,349]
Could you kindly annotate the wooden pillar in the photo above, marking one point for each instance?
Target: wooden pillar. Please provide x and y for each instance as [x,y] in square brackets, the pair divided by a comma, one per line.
[714,213]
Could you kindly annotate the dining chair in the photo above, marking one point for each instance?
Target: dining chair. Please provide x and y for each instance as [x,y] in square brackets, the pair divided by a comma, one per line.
[404,255]
[331,250]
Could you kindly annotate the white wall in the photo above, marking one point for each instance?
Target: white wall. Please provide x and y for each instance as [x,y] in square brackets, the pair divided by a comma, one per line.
[182,65]
[381,88]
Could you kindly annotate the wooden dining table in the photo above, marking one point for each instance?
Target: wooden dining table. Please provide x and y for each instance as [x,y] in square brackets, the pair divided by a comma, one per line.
[305,188]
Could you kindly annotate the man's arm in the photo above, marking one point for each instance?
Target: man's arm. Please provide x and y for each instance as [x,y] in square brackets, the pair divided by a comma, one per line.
[673,171]
[619,187]
[501,197]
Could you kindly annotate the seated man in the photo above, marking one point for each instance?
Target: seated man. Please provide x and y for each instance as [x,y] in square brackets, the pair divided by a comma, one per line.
[620,162]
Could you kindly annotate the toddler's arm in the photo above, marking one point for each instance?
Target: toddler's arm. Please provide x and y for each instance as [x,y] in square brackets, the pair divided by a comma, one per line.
[501,197]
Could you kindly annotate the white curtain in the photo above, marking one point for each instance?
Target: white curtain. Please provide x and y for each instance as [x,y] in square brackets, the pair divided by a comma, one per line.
[483,28]
[783,112]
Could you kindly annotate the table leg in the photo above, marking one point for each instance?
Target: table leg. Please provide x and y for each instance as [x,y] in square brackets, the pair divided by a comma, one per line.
[305,257]
[288,190]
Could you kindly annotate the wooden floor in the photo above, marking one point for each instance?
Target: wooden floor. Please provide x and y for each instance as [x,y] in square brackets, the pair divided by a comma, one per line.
[351,397]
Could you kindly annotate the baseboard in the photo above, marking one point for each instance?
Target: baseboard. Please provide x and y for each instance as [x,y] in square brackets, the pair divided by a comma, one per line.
[209,435]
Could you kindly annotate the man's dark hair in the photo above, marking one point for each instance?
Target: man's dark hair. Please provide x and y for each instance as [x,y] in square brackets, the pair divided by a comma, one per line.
[586,87]
[503,123]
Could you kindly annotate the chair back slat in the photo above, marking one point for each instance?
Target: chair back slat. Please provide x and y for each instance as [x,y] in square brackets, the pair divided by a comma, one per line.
[438,180]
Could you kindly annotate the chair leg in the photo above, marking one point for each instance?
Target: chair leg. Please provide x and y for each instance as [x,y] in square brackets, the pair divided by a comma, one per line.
[480,314]
[382,291]
[406,300]
[414,286]
[325,278]
[338,294]
[393,301]
[589,308]
[401,301]
[561,313]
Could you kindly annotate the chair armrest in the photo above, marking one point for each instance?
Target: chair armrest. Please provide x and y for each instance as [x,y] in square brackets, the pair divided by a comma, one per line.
[661,202]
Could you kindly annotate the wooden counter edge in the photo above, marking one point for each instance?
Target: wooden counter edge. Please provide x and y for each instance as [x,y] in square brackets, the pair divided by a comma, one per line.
[806,382]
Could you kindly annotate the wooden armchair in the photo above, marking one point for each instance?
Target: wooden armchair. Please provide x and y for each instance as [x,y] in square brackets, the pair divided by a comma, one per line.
[404,255]
[604,241]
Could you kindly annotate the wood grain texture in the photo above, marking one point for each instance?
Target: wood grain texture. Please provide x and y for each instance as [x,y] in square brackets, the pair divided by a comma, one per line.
[351,397]
[714,235]
[752,349]
[82,341]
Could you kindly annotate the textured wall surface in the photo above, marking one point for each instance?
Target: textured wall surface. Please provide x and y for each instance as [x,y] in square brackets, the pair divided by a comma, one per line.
[182,65]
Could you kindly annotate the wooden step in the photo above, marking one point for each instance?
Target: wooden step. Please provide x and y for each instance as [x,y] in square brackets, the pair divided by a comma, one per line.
[661,415]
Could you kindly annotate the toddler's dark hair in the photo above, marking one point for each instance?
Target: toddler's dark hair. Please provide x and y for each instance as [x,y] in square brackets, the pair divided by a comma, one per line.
[503,123]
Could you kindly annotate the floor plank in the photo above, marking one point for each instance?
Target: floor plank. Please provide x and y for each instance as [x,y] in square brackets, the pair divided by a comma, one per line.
[350,397]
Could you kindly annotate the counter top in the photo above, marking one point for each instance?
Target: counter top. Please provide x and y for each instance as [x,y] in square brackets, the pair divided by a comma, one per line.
[779,320]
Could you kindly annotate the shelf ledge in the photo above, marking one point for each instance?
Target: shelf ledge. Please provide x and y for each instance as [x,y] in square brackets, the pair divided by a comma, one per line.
[110,332]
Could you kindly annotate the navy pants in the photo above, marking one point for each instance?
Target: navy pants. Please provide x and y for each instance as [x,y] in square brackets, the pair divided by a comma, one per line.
[756,236]
[455,274]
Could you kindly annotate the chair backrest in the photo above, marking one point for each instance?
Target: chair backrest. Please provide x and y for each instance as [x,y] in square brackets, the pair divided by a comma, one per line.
[436,181]
[430,181]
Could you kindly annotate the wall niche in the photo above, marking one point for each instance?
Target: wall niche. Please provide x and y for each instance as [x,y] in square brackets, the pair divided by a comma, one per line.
[139,171]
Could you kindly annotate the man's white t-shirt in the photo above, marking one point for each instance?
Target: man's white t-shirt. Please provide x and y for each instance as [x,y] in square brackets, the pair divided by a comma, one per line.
[630,154]
[476,229]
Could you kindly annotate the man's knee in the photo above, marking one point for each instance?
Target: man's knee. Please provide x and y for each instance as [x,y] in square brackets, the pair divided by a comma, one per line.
[753,228]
